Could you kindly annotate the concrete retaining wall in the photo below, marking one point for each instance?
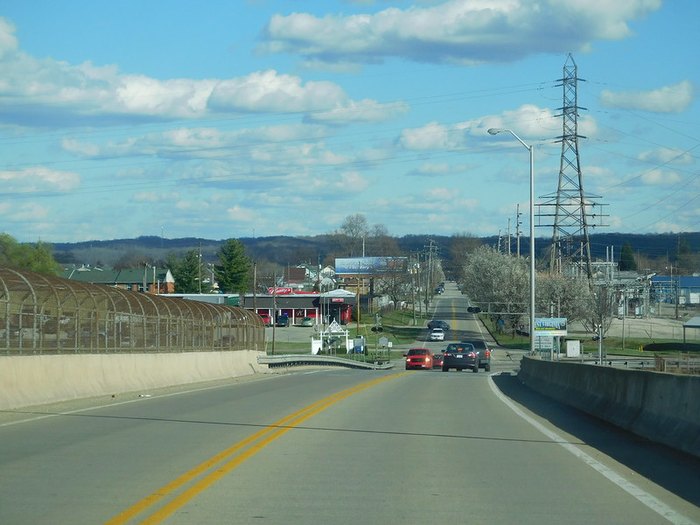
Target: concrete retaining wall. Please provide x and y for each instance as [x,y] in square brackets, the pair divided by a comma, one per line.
[661,407]
[35,380]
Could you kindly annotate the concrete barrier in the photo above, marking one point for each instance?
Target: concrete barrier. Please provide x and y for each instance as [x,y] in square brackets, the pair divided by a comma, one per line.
[35,380]
[661,407]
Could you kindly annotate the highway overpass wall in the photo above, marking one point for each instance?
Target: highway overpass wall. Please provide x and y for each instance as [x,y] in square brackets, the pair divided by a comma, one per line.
[35,380]
[658,406]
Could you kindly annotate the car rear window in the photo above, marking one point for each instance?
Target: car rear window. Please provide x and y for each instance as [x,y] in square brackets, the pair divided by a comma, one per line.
[417,351]
[455,349]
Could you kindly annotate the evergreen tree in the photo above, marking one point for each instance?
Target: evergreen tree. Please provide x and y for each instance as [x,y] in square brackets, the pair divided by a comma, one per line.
[233,268]
[627,262]
[187,273]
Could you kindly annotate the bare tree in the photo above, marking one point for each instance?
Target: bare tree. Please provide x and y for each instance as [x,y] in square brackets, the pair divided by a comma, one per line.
[355,226]
[380,243]
[132,259]
[460,245]
[353,232]
[602,303]
[395,282]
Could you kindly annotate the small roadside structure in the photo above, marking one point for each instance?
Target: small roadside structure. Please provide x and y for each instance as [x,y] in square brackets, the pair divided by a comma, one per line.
[331,339]
[693,322]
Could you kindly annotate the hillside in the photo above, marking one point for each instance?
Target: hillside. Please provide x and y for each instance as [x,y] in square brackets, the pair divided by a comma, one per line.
[285,250]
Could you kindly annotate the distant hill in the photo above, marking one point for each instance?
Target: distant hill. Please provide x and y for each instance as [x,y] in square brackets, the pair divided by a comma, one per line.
[285,250]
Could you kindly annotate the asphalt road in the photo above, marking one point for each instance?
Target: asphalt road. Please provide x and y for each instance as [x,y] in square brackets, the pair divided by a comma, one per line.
[338,447]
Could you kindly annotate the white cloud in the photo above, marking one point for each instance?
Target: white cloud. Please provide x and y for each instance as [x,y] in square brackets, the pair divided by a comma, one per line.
[38,179]
[441,194]
[432,136]
[660,177]
[456,30]
[204,143]
[667,156]
[239,214]
[70,94]
[185,204]
[360,111]
[271,91]
[665,227]
[101,95]
[598,172]
[29,212]
[431,169]
[615,222]
[182,98]
[8,40]
[352,182]
[668,99]
[529,122]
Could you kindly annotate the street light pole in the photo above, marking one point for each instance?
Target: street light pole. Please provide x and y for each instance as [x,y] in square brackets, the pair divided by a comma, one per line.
[496,131]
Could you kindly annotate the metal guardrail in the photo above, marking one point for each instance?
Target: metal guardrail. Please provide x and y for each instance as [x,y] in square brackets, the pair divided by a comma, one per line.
[288,360]
[658,363]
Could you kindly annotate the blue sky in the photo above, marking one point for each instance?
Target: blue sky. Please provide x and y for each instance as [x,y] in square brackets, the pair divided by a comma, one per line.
[223,119]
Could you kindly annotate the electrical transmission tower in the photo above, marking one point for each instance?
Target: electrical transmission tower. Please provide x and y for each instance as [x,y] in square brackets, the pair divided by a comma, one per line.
[570,208]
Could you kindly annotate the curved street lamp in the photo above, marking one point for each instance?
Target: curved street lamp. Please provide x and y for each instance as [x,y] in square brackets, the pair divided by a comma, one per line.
[496,131]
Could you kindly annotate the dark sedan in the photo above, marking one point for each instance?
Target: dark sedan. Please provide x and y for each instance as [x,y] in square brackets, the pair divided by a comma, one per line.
[460,356]
[435,323]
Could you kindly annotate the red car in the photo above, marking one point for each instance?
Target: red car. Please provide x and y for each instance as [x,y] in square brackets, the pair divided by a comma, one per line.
[421,358]
[437,360]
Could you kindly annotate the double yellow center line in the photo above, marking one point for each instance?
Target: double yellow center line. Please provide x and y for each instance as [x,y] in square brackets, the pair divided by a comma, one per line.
[207,473]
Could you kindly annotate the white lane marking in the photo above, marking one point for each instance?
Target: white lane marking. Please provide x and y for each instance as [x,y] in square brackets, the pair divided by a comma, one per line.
[640,494]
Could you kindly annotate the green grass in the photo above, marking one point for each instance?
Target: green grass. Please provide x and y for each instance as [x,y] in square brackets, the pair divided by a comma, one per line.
[506,340]
[611,345]
[631,348]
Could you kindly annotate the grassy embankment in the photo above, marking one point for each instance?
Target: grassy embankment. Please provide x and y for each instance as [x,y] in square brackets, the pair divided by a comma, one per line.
[631,346]
[398,328]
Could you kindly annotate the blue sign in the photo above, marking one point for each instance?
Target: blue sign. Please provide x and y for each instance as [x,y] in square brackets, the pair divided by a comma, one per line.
[550,327]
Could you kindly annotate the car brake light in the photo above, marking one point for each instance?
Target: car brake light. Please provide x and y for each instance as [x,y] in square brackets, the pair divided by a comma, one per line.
[488,353]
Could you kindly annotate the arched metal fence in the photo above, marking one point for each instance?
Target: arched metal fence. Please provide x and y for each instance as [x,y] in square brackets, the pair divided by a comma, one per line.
[47,315]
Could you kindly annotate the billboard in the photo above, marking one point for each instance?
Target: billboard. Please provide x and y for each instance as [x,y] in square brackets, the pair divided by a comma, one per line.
[369,266]
[550,326]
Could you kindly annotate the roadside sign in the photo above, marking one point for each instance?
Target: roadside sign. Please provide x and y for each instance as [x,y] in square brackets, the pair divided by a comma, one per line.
[550,327]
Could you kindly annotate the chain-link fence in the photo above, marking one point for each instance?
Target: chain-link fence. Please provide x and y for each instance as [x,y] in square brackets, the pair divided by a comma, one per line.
[40,314]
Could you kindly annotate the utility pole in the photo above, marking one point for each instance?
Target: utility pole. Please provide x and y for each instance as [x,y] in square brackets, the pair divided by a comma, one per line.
[199,268]
[508,237]
[255,287]
[431,276]
[274,308]
[517,229]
